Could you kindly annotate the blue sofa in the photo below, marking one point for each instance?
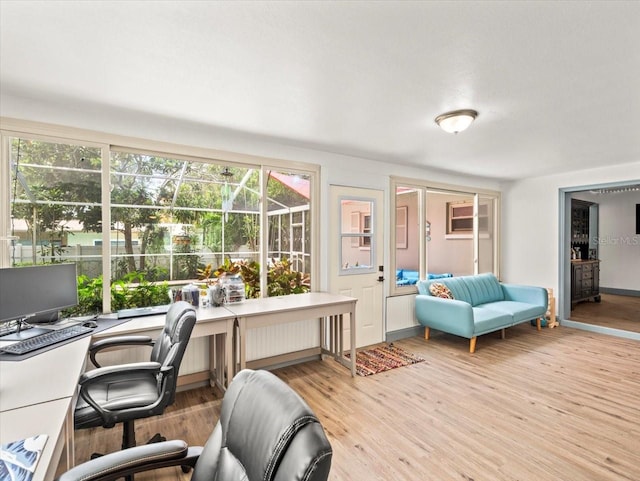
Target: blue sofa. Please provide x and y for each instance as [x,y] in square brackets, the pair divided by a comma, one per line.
[480,304]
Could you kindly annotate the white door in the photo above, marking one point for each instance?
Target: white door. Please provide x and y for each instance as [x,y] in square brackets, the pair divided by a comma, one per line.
[355,257]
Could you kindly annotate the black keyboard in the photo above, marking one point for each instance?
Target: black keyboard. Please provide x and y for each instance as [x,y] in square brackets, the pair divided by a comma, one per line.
[44,340]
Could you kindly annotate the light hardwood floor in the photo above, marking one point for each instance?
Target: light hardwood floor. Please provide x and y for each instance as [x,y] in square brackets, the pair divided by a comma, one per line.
[560,404]
[617,312]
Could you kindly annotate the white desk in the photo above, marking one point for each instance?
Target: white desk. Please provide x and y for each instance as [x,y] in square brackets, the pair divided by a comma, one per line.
[37,396]
[48,376]
[268,311]
[45,418]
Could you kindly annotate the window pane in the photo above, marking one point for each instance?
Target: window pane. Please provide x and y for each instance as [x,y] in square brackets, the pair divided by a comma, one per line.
[451,249]
[56,208]
[407,236]
[289,250]
[486,223]
[171,217]
[356,232]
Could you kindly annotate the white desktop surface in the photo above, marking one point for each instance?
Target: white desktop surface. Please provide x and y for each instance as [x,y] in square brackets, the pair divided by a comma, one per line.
[45,418]
[281,304]
[145,324]
[46,377]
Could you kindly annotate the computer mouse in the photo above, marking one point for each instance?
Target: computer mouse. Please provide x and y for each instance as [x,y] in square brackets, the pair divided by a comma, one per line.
[91,324]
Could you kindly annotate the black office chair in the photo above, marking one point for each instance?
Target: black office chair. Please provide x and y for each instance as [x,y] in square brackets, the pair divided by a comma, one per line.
[266,432]
[123,393]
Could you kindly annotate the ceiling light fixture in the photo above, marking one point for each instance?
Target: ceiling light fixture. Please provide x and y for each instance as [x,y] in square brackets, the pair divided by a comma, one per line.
[456,120]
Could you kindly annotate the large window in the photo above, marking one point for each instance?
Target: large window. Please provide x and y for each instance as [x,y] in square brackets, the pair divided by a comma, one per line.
[168,220]
[441,231]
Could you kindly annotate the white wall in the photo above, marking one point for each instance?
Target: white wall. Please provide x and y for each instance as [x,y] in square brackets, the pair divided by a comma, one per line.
[530,220]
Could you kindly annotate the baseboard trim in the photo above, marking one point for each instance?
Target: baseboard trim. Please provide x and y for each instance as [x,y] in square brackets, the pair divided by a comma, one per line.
[601,330]
[193,380]
[404,333]
[283,360]
[619,292]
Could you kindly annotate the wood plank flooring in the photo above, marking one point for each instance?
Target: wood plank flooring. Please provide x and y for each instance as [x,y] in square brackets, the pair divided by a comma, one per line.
[617,312]
[560,404]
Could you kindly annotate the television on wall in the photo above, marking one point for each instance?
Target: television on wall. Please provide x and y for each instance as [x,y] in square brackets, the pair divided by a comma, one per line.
[637,218]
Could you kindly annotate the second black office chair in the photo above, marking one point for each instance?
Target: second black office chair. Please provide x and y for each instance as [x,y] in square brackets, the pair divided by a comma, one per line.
[266,432]
[123,393]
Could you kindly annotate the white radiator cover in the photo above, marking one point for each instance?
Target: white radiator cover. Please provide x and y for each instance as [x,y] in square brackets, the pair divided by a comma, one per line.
[261,343]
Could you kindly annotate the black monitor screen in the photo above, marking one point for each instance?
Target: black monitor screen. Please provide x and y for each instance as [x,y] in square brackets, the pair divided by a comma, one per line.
[28,292]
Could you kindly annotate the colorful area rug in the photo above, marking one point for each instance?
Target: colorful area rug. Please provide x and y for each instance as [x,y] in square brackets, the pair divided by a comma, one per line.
[383,358]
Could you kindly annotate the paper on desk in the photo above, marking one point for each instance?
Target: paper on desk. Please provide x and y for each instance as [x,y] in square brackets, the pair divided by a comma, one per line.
[18,459]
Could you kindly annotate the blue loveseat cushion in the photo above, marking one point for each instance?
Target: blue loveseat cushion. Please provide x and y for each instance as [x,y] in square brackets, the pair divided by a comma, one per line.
[520,311]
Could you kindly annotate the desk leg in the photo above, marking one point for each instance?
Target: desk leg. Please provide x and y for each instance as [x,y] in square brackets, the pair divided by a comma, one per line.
[242,340]
[70,438]
[230,359]
[352,331]
[340,333]
[218,360]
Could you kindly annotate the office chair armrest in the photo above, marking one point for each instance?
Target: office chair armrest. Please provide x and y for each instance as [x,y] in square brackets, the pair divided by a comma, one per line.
[91,376]
[134,460]
[117,341]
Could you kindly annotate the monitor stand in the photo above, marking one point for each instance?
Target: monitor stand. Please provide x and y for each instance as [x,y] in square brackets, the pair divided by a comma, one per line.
[22,332]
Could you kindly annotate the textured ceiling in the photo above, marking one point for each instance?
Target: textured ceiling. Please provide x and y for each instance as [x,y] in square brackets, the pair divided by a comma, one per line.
[556,84]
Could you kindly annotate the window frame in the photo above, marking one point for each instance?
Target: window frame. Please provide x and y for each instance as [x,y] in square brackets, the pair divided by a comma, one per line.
[424,228]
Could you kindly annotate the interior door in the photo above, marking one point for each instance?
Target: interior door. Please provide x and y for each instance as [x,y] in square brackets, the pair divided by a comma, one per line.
[355,257]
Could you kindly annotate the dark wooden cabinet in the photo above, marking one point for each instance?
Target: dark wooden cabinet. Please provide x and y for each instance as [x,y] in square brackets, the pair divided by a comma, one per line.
[585,281]
[580,222]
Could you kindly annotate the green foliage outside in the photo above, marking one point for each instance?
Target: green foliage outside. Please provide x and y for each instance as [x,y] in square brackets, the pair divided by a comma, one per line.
[132,291]
[281,280]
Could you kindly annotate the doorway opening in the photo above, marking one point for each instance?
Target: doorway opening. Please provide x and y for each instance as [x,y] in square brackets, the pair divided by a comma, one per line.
[617,246]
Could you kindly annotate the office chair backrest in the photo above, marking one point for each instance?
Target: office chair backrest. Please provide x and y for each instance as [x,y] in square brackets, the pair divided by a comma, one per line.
[266,432]
[172,342]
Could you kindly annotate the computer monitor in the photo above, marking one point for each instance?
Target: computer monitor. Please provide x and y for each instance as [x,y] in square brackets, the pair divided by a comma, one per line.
[36,293]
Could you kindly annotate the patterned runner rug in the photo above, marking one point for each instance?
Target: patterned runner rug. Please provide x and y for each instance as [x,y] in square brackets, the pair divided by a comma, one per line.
[383,358]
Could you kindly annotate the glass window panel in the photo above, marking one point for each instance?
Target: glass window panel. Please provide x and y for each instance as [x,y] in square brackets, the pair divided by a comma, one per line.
[356,231]
[172,217]
[55,200]
[486,241]
[407,236]
[451,250]
[289,250]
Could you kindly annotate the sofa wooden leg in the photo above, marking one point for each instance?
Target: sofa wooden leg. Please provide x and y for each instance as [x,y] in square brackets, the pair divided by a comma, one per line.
[539,324]
[472,344]
[427,333]
[503,333]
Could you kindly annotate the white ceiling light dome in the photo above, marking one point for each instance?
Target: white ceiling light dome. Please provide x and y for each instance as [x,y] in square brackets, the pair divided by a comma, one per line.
[456,120]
